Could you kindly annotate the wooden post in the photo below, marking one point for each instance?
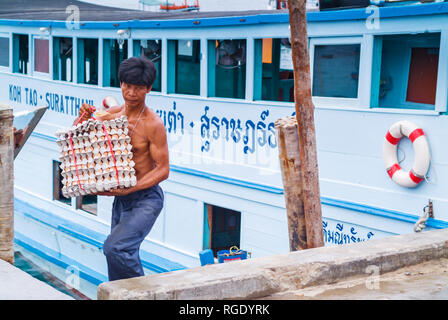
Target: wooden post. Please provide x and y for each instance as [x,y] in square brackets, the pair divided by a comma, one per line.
[6,185]
[288,150]
[308,196]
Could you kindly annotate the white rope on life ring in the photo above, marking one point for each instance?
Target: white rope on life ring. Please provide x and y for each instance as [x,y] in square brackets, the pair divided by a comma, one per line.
[422,156]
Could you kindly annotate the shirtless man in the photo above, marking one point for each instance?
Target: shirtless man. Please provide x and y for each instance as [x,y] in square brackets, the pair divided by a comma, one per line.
[135,209]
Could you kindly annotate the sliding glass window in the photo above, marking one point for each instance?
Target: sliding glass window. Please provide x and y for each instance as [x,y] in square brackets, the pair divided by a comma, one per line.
[336,70]
[273,70]
[227,68]
[21,53]
[41,55]
[4,51]
[87,61]
[184,66]
[113,55]
[151,49]
[62,59]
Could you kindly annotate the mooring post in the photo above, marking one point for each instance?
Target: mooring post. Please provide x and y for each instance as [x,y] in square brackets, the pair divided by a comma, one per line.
[288,150]
[6,184]
[307,195]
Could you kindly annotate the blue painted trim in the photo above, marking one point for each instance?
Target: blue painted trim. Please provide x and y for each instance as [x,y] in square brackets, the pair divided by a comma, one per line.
[391,214]
[150,261]
[237,182]
[333,15]
[385,12]
[385,213]
[43,136]
[57,258]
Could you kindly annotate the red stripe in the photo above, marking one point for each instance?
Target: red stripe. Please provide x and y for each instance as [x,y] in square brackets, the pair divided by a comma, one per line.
[414,178]
[391,138]
[415,134]
[74,158]
[112,152]
[393,169]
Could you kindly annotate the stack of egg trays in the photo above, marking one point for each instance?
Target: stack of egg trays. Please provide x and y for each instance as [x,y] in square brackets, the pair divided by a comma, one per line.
[95,169]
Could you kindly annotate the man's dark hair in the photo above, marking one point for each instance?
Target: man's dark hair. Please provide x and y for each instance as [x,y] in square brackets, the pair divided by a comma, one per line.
[140,71]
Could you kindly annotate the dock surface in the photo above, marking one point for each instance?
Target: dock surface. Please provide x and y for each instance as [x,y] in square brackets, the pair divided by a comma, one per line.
[16,284]
[286,276]
[424,281]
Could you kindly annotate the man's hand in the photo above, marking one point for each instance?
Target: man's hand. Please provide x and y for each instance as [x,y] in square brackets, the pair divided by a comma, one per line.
[85,112]
[116,192]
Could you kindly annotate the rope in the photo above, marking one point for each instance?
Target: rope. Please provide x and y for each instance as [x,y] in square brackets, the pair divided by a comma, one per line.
[232,253]
[112,152]
[74,158]
[421,222]
[110,146]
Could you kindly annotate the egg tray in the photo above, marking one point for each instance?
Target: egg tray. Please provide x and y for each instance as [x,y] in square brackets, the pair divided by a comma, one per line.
[95,157]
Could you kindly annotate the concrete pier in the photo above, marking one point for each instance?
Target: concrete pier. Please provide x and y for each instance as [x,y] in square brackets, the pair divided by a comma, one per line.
[16,284]
[272,275]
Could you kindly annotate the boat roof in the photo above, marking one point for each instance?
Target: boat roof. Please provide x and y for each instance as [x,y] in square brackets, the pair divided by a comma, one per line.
[39,9]
[37,13]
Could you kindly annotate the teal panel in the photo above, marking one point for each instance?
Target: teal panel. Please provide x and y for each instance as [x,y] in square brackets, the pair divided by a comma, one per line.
[80,61]
[376,71]
[258,68]
[211,65]
[171,72]
[106,62]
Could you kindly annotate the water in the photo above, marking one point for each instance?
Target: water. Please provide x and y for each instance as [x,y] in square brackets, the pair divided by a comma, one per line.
[53,275]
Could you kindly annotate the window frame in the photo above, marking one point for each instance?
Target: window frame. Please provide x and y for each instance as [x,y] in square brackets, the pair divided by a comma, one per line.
[15,54]
[103,71]
[42,75]
[403,104]
[334,101]
[73,64]
[134,43]
[9,37]
[211,74]
[258,71]
[57,180]
[78,69]
[172,44]
[79,205]
[211,211]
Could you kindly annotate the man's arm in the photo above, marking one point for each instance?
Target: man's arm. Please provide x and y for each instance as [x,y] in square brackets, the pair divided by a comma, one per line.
[158,149]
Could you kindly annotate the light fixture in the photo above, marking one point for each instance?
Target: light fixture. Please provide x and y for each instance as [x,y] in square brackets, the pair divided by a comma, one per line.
[122,35]
[44,31]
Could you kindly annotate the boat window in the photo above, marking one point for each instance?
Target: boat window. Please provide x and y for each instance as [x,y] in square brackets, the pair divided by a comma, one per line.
[88,203]
[336,70]
[273,70]
[57,184]
[4,52]
[41,55]
[151,49]
[20,53]
[222,228]
[405,71]
[227,68]
[113,55]
[87,61]
[184,66]
[62,59]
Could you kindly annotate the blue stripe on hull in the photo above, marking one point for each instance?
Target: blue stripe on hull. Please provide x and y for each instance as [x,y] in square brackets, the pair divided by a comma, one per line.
[391,214]
[58,259]
[150,261]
